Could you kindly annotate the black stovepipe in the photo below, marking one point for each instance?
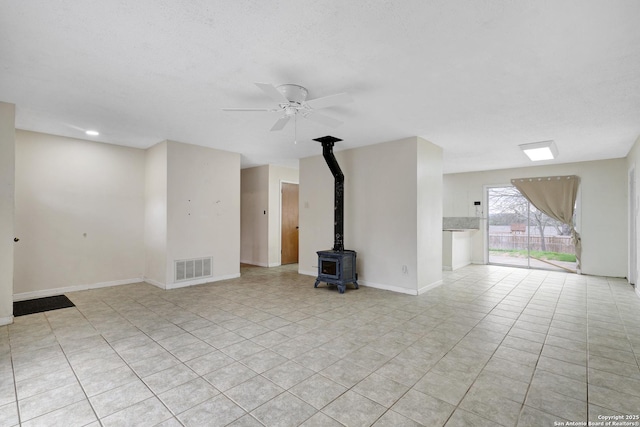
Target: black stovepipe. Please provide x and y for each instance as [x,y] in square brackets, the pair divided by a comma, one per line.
[338,201]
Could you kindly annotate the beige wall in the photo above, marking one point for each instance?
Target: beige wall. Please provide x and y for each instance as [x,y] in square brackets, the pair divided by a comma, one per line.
[203,215]
[602,214]
[7,199]
[155,215]
[91,214]
[633,163]
[429,200]
[79,214]
[384,222]
[255,216]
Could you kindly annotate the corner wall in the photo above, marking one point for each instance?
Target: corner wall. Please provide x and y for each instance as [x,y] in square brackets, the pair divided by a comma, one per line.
[79,215]
[429,231]
[384,221]
[91,214]
[203,209]
[155,215]
[7,203]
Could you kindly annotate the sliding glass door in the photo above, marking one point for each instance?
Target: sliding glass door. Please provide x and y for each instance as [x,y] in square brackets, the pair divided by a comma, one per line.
[520,235]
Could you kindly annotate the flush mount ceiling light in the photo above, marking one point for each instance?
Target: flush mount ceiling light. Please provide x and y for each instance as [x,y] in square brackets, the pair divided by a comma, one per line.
[92,133]
[536,151]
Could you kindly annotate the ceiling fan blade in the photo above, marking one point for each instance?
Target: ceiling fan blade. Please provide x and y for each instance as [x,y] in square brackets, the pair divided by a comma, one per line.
[247,109]
[330,101]
[272,92]
[281,123]
[322,119]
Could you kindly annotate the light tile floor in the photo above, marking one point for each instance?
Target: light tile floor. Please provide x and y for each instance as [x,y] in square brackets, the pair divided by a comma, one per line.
[492,346]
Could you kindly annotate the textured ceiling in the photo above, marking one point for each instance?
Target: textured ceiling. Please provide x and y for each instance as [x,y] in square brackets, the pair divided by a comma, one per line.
[474,77]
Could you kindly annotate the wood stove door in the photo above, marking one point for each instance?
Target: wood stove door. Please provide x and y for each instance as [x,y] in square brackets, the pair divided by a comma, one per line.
[289,223]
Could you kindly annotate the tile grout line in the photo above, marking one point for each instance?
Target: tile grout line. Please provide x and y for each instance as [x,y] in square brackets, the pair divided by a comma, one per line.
[499,283]
[15,381]
[457,406]
[100,420]
[541,349]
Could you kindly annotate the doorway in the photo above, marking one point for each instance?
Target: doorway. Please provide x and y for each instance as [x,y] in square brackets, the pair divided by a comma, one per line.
[519,235]
[289,223]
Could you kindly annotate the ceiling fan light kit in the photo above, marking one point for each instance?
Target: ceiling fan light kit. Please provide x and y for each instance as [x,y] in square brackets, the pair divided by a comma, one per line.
[292,101]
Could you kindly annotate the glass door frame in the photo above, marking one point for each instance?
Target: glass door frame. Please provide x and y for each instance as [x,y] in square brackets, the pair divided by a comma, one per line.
[487,188]
[485,217]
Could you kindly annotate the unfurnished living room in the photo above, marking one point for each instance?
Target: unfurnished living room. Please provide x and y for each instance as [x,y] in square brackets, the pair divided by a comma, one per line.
[319,213]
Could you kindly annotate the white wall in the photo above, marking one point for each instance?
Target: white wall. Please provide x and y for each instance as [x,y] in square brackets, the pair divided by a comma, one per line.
[633,163]
[155,213]
[203,216]
[90,214]
[602,215]
[382,214]
[429,204]
[7,201]
[255,210]
[316,211]
[277,175]
[79,214]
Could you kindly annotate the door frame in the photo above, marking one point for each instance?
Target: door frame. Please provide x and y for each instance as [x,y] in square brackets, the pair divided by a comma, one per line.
[283,181]
[577,217]
[486,189]
[633,227]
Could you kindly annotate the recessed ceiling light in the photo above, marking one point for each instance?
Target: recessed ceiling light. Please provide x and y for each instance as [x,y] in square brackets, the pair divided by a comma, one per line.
[544,150]
[92,133]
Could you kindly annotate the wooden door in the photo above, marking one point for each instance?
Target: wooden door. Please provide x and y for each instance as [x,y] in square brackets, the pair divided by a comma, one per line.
[289,223]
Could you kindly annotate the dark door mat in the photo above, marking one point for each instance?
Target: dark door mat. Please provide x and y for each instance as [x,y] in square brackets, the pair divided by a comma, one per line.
[39,305]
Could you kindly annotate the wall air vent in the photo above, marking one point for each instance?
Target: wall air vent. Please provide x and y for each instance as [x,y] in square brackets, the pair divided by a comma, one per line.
[190,269]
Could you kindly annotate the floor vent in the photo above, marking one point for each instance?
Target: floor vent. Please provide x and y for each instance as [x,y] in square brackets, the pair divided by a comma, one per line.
[189,269]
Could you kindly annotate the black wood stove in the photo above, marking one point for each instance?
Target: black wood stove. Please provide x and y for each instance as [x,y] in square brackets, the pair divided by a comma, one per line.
[338,265]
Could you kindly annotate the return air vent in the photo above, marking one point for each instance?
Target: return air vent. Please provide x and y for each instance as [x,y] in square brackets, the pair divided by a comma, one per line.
[189,269]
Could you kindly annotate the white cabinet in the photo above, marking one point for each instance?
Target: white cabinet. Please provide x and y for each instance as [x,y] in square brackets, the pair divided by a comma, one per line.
[456,248]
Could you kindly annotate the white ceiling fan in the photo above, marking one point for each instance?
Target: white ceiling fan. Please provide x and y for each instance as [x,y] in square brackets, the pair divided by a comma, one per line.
[292,101]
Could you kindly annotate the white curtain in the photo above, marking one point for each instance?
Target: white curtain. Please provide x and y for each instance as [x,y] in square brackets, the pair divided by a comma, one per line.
[556,197]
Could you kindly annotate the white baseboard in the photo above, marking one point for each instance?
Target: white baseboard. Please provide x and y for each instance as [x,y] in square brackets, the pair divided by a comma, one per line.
[457,266]
[382,286]
[308,272]
[201,281]
[6,320]
[262,264]
[386,287]
[259,264]
[58,291]
[154,282]
[429,287]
